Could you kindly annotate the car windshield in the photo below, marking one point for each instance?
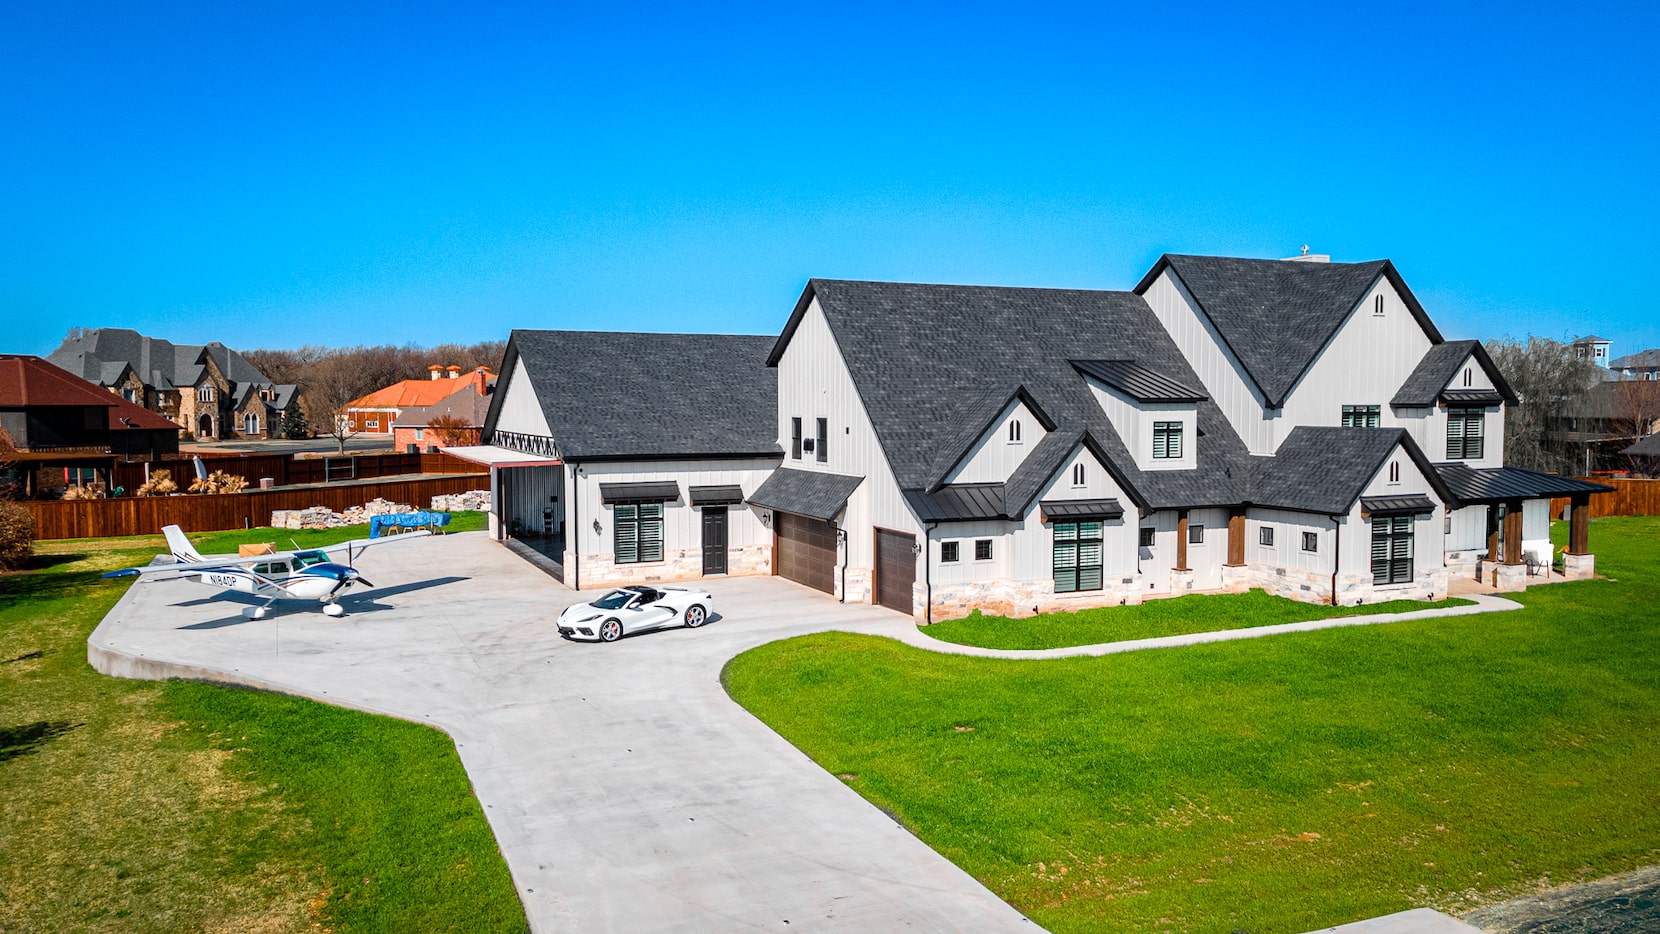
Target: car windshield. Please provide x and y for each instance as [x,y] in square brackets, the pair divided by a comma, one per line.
[306,559]
[615,600]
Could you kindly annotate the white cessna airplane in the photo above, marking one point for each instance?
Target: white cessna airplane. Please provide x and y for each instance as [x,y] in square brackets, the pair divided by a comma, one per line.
[286,575]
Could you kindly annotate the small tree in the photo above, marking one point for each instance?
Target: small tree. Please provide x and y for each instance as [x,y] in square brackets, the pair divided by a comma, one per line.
[452,431]
[17,524]
[335,382]
[293,425]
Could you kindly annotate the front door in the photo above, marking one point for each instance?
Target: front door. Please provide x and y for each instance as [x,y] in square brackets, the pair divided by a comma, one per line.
[714,539]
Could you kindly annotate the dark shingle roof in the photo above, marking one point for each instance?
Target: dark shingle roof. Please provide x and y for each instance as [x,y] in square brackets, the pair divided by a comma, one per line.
[815,494]
[614,395]
[1139,383]
[1322,469]
[912,348]
[1275,315]
[98,355]
[1427,381]
[1648,447]
[1498,484]
[1642,358]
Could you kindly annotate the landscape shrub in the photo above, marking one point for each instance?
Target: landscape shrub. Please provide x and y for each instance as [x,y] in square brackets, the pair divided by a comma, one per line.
[219,482]
[79,492]
[160,484]
[17,535]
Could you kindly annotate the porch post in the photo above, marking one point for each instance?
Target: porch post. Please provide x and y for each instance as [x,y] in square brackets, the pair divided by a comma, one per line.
[1236,537]
[1181,540]
[1579,529]
[1513,533]
[1492,536]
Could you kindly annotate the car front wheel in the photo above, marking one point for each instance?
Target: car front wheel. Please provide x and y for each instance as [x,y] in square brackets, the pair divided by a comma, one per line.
[610,631]
[696,616]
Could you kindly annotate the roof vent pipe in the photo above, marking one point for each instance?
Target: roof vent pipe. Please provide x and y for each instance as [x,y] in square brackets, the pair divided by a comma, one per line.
[1308,257]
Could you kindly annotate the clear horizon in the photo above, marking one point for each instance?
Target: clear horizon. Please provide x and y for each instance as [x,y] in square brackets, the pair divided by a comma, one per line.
[435,174]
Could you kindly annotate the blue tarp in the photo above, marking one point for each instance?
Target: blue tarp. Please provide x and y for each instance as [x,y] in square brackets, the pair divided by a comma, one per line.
[407,520]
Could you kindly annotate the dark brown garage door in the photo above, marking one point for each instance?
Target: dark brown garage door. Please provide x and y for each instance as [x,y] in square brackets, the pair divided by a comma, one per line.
[807,551]
[895,569]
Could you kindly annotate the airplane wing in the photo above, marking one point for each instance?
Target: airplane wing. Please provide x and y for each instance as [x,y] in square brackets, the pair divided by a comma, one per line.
[356,545]
[154,572]
[240,563]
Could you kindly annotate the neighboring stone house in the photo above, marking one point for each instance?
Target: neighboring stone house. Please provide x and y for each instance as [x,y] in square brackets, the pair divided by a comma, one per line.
[378,412]
[463,410]
[209,390]
[1299,426]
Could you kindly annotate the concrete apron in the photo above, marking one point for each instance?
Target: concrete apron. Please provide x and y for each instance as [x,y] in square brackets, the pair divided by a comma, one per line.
[626,790]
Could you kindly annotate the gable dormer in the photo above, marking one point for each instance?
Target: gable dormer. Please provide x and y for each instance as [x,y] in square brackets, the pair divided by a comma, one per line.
[1155,415]
[1004,443]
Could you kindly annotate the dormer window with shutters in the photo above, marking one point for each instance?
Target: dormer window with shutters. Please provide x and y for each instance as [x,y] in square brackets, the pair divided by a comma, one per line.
[1154,413]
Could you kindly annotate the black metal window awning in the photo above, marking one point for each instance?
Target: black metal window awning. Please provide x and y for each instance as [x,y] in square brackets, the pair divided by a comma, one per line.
[1071,510]
[1471,397]
[717,495]
[1411,505]
[659,491]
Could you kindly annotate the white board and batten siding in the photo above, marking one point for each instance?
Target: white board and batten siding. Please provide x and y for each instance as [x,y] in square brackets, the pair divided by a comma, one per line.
[521,412]
[813,383]
[682,523]
[1134,421]
[1428,548]
[996,455]
[1287,551]
[1221,372]
[1206,556]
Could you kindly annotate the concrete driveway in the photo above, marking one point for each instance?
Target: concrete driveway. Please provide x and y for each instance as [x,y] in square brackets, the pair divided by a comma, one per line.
[626,790]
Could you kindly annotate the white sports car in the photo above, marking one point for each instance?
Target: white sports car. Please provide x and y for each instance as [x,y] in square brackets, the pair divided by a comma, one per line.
[632,609]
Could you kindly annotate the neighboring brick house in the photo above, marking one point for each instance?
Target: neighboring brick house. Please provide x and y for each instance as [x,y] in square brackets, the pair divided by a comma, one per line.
[208,390]
[375,413]
[466,406]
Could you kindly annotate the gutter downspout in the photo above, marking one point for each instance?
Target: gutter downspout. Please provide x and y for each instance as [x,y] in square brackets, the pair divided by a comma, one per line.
[846,547]
[1336,556]
[574,534]
[928,569]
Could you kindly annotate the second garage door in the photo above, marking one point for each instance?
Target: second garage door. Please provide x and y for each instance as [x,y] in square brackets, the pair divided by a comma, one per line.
[895,569]
[807,551]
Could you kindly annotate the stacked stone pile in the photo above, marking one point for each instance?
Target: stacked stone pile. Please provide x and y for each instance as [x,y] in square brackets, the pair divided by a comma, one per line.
[322,517]
[472,501]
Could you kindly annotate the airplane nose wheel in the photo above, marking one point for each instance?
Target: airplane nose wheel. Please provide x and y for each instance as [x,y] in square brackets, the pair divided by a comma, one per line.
[334,610]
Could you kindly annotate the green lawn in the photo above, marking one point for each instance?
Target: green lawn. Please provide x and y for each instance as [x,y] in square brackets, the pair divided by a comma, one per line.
[1264,785]
[1172,617]
[147,806]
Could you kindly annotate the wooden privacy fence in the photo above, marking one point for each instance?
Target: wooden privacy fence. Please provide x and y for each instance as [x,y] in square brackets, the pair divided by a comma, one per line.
[285,470]
[1630,498]
[145,515]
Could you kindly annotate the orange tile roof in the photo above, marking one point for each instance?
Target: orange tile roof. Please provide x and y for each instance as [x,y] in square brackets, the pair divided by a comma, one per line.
[413,392]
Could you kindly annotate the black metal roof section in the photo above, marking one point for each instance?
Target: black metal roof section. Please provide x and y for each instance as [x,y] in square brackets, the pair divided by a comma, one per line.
[1477,485]
[617,395]
[1648,447]
[1139,383]
[1324,470]
[1067,510]
[1436,370]
[1277,316]
[1472,397]
[924,358]
[958,502]
[1397,505]
[811,493]
[657,491]
[717,495]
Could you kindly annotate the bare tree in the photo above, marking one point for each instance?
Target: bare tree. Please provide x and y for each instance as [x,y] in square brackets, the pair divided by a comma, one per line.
[1636,408]
[334,383]
[1551,383]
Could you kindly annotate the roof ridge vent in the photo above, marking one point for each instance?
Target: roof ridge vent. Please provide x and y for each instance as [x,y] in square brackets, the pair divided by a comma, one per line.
[1308,257]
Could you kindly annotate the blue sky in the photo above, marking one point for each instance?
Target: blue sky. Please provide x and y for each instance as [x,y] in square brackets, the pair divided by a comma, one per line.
[423,173]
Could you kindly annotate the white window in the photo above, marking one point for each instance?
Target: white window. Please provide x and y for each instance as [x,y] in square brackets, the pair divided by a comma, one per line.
[948,552]
[419,432]
[204,393]
[250,424]
[1167,440]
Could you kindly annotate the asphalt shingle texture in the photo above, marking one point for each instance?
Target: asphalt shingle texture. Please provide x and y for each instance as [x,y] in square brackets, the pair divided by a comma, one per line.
[816,494]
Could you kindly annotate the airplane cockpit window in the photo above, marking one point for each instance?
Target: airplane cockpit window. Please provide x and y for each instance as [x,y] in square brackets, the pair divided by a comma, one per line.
[271,568]
[306,559]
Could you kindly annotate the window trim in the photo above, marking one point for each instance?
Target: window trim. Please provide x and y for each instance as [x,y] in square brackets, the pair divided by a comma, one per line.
[1147,537]
[1311,543]
[1362,416]
[1079,475]
[636,524]
[795,437]
[1195,534]
[1390,532]
[983,545]
[821,451]
[1461,418]
[1167,435]
[950,552]
[1015,431]
[1071,539]
[1265,536]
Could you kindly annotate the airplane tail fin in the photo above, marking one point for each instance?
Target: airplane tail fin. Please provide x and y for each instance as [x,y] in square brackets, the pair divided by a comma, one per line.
[179,545]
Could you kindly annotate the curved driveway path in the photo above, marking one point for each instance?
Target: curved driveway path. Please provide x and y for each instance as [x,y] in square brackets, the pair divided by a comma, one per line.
[625,788]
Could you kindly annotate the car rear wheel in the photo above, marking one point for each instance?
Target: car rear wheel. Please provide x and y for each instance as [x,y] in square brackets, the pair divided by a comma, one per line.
[696,616]
[610,630]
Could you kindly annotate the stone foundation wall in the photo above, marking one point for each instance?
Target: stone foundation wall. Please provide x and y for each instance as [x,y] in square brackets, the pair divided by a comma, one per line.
[1236,578]
[1579,567]
[684,564]
[1019,599]
[860,586]
[1352,589]
[1465,564]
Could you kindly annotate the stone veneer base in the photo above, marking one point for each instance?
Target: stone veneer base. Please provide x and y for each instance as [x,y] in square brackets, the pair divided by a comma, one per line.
[677,565]
[1579,567]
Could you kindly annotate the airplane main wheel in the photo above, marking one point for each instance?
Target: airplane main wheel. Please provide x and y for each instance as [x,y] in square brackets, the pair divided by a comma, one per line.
[610,631]
[334,610]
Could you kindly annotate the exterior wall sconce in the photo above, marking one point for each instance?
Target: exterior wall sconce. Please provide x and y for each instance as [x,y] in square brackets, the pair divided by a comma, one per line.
[766,518]
[596,527]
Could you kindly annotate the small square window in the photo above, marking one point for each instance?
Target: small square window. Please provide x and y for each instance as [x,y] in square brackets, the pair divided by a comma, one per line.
[948,551]
[1311,541]
[1195,535]
[1265,536]
[982,549]
[1147,537]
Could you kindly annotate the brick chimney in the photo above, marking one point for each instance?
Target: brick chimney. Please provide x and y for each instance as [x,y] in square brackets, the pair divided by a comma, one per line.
[435,371]
[481,380]
[453,371]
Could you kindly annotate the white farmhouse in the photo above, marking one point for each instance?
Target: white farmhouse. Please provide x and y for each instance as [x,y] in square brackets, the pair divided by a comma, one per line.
[1299,426]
